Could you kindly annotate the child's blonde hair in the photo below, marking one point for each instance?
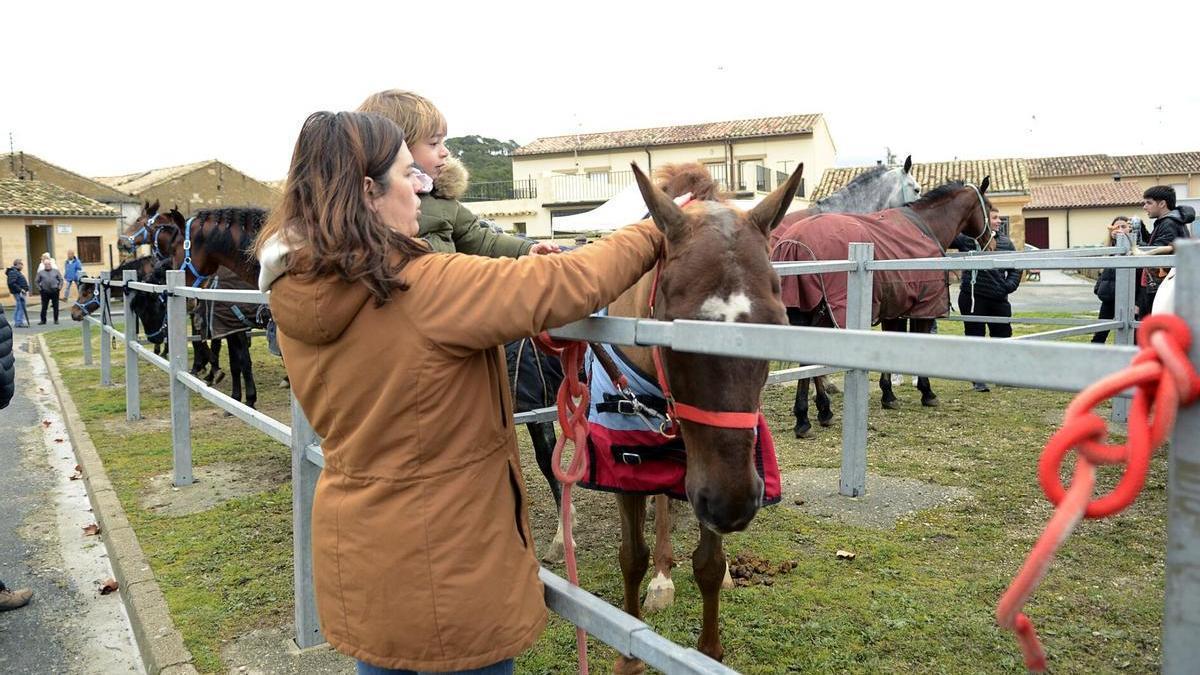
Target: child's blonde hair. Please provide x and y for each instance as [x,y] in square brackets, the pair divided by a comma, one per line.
[416,115]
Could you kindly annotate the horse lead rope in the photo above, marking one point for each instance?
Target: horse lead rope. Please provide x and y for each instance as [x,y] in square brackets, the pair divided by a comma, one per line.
[1165,380]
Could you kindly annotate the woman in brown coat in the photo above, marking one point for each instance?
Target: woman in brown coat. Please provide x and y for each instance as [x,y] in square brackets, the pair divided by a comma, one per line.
[421,542]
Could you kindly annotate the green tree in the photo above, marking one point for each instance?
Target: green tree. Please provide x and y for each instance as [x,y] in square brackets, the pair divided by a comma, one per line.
[486,158]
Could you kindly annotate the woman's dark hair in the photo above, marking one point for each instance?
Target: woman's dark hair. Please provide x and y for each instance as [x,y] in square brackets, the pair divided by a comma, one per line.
[324,217]
[1110,240]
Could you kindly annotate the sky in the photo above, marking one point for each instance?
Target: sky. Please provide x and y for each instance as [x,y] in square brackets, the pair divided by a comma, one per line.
[114,88]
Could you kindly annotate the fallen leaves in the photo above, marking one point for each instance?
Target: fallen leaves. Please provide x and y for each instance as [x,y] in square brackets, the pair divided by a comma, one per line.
[845,555]
[46,423]
[91,530]
[78,473]
[109,586]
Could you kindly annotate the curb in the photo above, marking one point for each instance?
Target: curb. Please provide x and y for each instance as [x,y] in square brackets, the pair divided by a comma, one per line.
[159,641]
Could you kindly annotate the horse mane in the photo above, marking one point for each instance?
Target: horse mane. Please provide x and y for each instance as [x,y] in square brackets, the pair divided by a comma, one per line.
[248,219]
[945,192]
[857,182]
[678,179]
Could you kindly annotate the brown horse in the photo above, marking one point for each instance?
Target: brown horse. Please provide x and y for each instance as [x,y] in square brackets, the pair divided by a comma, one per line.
[715,267]
[901,299]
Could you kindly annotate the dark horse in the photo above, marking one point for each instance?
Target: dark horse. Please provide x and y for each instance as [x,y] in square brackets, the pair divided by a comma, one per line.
[915,298]
[200,246]
[147,307]
[715,267]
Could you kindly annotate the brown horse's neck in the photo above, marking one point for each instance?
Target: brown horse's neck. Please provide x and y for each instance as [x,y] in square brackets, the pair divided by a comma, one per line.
[635,303]
[947,218]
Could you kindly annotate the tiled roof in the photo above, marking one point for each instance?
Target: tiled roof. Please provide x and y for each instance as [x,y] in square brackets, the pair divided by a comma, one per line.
[1084,196]
[688,133]
[1160,164]
[39,198]
[136,183]
[1070,165]
[25,165]
[1008,175]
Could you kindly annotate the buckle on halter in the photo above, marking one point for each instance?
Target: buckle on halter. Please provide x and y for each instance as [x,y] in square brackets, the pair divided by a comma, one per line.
[626,407]
[631,458]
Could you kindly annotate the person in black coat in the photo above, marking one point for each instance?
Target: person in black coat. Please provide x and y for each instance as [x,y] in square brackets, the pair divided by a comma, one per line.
[985,292]
[1170,223]
[9,599]
[1106,285]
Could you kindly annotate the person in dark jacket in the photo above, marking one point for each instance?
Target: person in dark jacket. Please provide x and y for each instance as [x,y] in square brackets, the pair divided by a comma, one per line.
[1106,285]
[1170,223]
[18,286]
[9,599]
[49,282]
[985,292]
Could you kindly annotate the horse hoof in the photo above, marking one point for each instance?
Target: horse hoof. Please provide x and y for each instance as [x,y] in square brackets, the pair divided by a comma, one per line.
[660,594]
[826,421]
[628,666]
[894,404]
[804,431]
[226,413]
[931,402]
[218,377]
[554,553]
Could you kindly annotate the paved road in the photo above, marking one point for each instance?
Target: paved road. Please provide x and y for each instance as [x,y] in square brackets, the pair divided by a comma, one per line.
[68,627]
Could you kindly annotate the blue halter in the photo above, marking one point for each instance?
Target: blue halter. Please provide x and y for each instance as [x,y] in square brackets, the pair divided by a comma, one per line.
[187,265]
[95,299]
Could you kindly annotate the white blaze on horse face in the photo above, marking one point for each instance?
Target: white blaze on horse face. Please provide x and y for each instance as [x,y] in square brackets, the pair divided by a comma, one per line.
[725,309]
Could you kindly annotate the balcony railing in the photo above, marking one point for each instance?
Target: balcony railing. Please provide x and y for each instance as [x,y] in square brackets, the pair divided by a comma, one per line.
[525,188]
[597,186]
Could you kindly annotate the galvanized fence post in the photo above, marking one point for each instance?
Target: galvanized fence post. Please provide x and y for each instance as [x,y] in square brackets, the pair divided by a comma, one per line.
[181,408]
[304,486]
[859,294]
[1181,618]
[105,338]
[1123,308]
[133,397]
[86,328]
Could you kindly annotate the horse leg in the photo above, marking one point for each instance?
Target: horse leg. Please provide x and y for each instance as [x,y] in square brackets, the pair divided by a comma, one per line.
[200,359]
[709,567]
[888,399]
[660,594]
[215,373]
[247,368]
[824,409]
[236,366]
[542,436]
[928,398]
[803,427]
[635,560]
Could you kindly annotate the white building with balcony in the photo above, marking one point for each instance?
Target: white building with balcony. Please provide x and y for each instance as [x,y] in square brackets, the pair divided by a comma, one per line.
[563,175]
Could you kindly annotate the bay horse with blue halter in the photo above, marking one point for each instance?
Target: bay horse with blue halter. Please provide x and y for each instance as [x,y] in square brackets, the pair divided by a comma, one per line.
[909,298]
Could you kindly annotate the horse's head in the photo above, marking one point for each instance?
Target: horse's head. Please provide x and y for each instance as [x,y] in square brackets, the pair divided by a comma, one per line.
[959,208]
[141,230]
[87,302]
[716,268]
[151,308]
[908,187]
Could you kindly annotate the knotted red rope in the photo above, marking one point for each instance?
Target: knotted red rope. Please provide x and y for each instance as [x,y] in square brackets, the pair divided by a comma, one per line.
[1165,380]
[573,403]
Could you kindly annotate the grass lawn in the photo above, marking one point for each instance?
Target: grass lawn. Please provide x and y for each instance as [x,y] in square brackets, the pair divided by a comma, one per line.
[919,596]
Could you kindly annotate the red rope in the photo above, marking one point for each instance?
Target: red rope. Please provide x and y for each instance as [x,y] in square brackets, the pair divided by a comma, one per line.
[1165,380]
[573,403]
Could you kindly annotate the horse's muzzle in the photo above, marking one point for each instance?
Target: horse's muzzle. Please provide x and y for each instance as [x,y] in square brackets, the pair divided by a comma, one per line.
[723,513]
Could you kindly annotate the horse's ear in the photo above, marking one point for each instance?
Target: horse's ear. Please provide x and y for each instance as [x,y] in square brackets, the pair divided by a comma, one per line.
[771,210]
[665,212]
[177,217]
[908,164]
[154,207]
[983,187]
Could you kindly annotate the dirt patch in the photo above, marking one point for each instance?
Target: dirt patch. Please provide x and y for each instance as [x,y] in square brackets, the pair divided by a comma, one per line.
[887,499]
[272,651]
[214,484]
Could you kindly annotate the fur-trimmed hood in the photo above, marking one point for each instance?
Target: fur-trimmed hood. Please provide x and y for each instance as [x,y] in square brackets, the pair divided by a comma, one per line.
[453,181]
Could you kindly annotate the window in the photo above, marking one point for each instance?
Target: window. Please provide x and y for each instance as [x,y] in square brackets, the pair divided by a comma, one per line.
[88,249]
[1004,225]
[520,227]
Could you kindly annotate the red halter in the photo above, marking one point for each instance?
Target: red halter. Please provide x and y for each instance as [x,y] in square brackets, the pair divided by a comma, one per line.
[681,411]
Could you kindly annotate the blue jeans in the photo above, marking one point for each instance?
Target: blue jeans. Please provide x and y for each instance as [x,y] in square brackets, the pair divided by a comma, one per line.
[501,668]
[20,316]
[67,288]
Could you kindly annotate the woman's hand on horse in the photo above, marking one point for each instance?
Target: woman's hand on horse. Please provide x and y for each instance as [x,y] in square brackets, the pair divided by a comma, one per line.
[545,248]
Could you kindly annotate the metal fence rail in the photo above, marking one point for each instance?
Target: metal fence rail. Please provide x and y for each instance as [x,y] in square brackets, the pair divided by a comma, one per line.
[857,349]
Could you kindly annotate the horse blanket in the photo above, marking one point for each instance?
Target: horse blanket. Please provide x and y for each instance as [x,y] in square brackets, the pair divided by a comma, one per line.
[534,376]
[221,319]
[896,233]
[627,454]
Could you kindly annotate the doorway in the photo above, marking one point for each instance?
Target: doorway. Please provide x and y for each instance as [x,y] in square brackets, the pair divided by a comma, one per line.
[1037,232]
[39,239]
